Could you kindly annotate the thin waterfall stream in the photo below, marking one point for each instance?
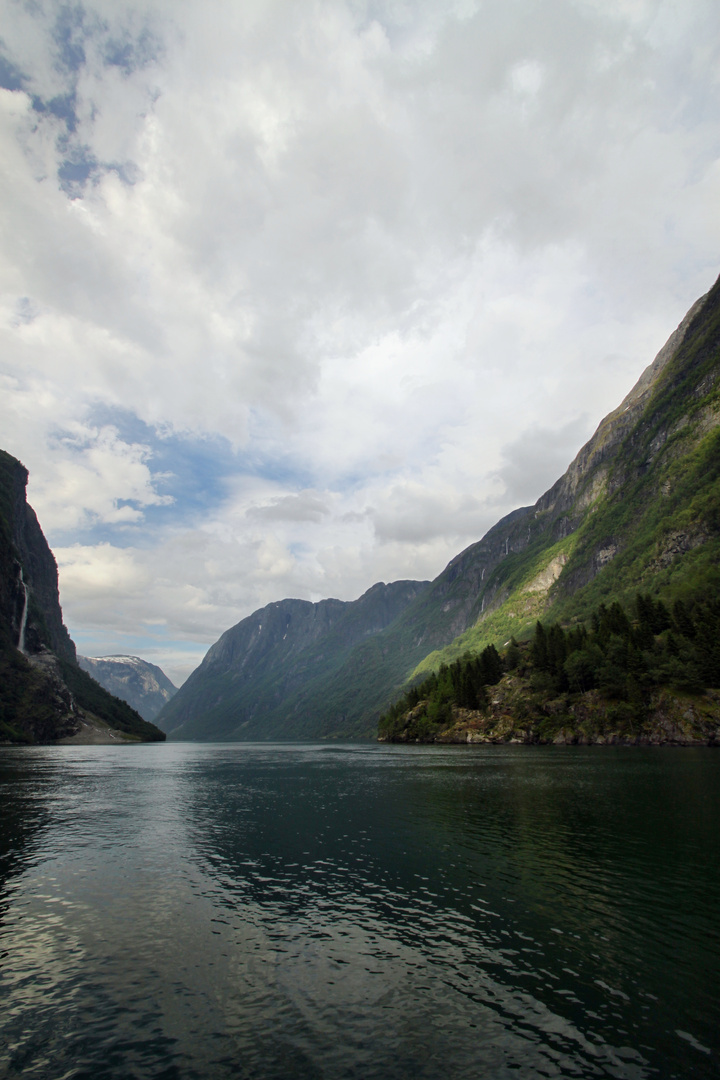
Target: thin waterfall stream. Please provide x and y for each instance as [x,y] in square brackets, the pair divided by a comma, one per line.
[23,620]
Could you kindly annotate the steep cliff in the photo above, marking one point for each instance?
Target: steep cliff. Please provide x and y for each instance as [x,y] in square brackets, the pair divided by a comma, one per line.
[44,626]
[142,685]
[637,510]
[44,696]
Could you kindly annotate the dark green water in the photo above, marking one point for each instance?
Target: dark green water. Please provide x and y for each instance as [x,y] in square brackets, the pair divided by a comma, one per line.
[359,911]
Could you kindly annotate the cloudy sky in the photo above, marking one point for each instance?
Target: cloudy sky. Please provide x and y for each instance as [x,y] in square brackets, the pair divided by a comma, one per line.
[300,295]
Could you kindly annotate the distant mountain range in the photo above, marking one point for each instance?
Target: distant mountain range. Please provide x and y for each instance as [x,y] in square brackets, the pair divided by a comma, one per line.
[638,509]
[44,694]
[144,686]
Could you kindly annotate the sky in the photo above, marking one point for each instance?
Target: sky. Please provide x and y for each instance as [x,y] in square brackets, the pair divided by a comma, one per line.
[301,295]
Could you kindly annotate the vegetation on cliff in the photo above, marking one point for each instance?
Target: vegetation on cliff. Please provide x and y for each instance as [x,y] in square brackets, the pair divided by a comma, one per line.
[639,675]
[293,670]
[639,506]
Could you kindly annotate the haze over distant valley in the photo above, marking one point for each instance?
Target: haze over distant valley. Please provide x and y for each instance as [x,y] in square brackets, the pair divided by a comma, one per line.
[299,298]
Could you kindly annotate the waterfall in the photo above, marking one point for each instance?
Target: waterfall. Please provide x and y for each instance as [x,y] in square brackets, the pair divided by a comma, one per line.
[23,621]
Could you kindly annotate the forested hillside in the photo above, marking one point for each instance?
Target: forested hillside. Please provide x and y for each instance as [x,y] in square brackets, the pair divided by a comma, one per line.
[646,675]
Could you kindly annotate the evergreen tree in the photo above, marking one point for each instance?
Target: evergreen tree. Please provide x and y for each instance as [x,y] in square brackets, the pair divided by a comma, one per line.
[539,653]
[512,655]
[491,666]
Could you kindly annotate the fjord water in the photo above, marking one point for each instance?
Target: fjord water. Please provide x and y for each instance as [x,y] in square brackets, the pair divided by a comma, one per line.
[272,911]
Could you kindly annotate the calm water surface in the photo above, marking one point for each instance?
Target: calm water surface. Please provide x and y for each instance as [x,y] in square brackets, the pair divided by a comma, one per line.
[271,911]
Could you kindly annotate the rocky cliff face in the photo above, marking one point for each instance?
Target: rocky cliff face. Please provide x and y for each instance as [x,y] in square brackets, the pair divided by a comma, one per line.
[587,476]
[142,685]
[669,719]
[590,479]
[34,577]
[44,696]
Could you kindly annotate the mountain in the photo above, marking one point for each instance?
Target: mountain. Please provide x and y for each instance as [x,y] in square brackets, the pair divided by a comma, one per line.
[144,686]
[44,695]
[638,509]
[265,677]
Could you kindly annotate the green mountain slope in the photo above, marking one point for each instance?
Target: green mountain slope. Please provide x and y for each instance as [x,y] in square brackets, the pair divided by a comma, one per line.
[44,696]
[638,509]
[255,682]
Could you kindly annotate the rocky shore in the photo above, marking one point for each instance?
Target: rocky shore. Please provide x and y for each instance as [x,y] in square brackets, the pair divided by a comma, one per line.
[516,714]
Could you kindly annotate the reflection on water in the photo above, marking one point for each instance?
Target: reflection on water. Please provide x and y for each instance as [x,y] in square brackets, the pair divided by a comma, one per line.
[358,911]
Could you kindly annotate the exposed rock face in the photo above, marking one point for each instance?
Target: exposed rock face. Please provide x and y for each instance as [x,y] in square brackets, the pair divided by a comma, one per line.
[585,478]
[44,696]
[517,715]
[549,575]
[143,685]
[26,563]
[48,711]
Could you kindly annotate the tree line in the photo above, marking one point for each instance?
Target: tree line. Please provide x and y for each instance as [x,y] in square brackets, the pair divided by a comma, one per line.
[624,654]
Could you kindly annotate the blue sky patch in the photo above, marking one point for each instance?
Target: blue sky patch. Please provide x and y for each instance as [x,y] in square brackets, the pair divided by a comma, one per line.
[77,168]
[116,47]
[11,77]
[69,34]
[196,472]
[132,54]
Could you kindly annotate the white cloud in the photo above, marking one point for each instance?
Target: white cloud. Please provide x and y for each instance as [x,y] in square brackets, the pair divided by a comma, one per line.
[306,506]
[101,571]
[401,257]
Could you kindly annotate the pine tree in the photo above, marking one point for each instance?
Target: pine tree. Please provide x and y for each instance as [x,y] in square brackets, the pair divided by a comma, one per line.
[538,649]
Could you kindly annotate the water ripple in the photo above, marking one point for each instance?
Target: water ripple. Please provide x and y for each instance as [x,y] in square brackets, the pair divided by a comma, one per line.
[307,911]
